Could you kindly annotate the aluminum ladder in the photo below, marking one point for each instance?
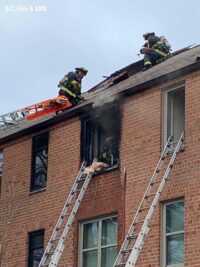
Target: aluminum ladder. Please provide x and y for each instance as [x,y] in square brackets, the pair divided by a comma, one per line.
[57,241]
[139,228]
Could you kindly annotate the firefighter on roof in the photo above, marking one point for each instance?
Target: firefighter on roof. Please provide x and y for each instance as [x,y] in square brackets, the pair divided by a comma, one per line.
[154,50]
[70,85]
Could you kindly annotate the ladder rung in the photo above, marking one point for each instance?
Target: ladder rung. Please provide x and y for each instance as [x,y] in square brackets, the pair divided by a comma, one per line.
[73,202]
[162,168]
[132,237]
[55,240]
[166,155]
[139,222]
[45,264]
[81,180]
[145,208]
[66,214]
[155,182]
[172,143]
[49,253]
[60,227]
[75,191]
[150,195]
[126,250]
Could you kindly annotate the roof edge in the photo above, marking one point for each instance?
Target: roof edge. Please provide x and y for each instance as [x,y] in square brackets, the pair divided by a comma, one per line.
[76,111]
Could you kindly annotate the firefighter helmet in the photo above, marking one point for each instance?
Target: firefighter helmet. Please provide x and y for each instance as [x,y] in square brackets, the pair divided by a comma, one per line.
[84,70]
[146,35]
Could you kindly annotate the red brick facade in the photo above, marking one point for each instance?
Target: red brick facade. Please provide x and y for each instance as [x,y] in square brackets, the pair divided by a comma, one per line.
[22,212]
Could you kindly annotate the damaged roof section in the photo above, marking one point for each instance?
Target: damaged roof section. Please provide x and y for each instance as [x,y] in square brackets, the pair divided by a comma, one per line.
[123,82]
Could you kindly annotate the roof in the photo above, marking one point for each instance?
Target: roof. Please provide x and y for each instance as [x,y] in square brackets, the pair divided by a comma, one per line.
[123,82]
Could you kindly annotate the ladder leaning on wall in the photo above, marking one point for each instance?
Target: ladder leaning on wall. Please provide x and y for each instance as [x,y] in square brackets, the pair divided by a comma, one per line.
[139,228]
[57,241]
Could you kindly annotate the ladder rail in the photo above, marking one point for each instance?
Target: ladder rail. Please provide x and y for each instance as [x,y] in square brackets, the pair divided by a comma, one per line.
[59,221]
[131,228]
[143,232]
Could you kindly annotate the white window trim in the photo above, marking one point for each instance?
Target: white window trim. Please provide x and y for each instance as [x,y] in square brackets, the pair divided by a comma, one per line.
[164,234]
[81,250]
[165,111]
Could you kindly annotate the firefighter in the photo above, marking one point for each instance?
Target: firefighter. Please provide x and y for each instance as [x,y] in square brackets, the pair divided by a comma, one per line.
[154,50]
[70,85]
[107,152]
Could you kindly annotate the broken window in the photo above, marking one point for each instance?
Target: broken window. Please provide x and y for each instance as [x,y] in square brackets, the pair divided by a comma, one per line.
[100,134]
[36,247]
[174,122]
[39,161]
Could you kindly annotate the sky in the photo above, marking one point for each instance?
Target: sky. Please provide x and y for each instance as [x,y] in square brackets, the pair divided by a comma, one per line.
[42,40]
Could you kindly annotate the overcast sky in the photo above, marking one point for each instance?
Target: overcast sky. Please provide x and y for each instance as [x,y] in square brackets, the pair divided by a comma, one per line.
[41,40]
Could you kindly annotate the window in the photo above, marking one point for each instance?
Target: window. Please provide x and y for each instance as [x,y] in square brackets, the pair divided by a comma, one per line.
[173,234]
[39,161]
[100,136]
[174,113]
[98,246]
[36,248]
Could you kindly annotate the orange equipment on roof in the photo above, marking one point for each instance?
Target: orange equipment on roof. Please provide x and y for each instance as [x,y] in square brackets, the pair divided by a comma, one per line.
[35,111]
[46,107]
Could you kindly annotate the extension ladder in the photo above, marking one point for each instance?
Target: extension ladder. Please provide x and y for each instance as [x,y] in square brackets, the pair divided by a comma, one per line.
[139,228]
[35,111]
[57,241]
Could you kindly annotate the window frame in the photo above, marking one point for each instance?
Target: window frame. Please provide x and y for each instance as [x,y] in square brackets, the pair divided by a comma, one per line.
[165,111]
[33,187]
[99,247]
[164,235]
[30,235]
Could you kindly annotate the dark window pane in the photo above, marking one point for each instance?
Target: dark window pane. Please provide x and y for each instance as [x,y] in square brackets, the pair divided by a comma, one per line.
[108,256]
[90,258]
[40,141]
[174,217]
[90,235]
[37,255]
[40,171]
[175,249]
[109,231]
[39,162]
[36,247]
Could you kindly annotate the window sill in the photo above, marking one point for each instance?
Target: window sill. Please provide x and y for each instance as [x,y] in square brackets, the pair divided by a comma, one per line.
[176,265]
[109,169]
[171,150]
[37,191]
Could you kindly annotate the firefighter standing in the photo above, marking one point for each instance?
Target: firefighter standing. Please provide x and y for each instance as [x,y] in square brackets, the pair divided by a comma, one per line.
[153,50]
[70,85]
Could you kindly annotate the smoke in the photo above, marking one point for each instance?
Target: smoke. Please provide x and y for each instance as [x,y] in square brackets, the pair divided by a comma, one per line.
[103,99]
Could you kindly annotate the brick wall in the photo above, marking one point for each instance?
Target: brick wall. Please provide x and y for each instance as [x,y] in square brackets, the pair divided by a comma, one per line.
[108,193]
[140,150]
[29,212]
